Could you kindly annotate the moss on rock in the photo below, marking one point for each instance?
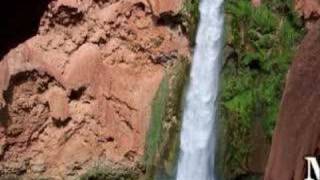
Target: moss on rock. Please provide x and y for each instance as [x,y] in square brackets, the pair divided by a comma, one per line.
[191,15]
[104,172]
[163,138]
[162,143]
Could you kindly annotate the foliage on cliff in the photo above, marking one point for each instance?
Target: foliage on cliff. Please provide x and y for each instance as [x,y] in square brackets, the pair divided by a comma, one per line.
[261,42]
[187,19]
[163,137]
[191,15]
[103,172]
[162,144]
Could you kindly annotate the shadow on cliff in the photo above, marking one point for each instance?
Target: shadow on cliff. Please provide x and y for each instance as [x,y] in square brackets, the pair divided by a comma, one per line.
[19,21]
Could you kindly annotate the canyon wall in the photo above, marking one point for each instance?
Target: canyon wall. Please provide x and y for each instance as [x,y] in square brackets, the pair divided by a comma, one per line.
[78,93]
[296,134]
[297,131]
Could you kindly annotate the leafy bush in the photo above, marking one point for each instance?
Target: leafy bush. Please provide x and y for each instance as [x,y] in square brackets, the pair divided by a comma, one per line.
[264,41]
[191,15]
[102,172]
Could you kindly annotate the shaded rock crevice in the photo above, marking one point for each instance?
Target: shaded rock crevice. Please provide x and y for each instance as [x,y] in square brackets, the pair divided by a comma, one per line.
[20,25]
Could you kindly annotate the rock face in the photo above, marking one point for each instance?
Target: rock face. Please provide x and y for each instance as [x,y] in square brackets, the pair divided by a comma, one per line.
[80,91]
[256,3]
[166,6]
[309,10]
[297,132]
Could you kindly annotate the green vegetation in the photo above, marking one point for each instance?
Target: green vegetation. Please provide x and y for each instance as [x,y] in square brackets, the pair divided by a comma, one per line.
[191,15]
[158,115]
[263,42]
[187,19]
[163,136]
[102,172]
[10,177]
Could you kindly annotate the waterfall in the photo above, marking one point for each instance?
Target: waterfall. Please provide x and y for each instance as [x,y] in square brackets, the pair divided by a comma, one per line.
[196,160]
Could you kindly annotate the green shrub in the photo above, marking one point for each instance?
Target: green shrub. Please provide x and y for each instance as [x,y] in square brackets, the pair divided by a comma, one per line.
[102,172]
[10,177]
[264,40]
[191,15]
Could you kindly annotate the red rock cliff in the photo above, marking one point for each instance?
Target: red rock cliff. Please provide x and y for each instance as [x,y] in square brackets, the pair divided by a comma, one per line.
[80,90]
[298,129]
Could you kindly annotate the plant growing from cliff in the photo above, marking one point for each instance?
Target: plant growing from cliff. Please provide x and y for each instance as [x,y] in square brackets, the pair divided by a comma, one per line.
[163,137]
[158,114]
[103,172]
[10,177]
[191,15]
[263,40]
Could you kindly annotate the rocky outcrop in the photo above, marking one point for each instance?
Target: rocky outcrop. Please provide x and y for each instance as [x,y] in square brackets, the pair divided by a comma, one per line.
[256,3]
[79,92]
[309,10]
[297,131]
[160,7]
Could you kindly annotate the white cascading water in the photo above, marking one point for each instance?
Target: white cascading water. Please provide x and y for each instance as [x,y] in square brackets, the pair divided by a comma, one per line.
[196,161]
